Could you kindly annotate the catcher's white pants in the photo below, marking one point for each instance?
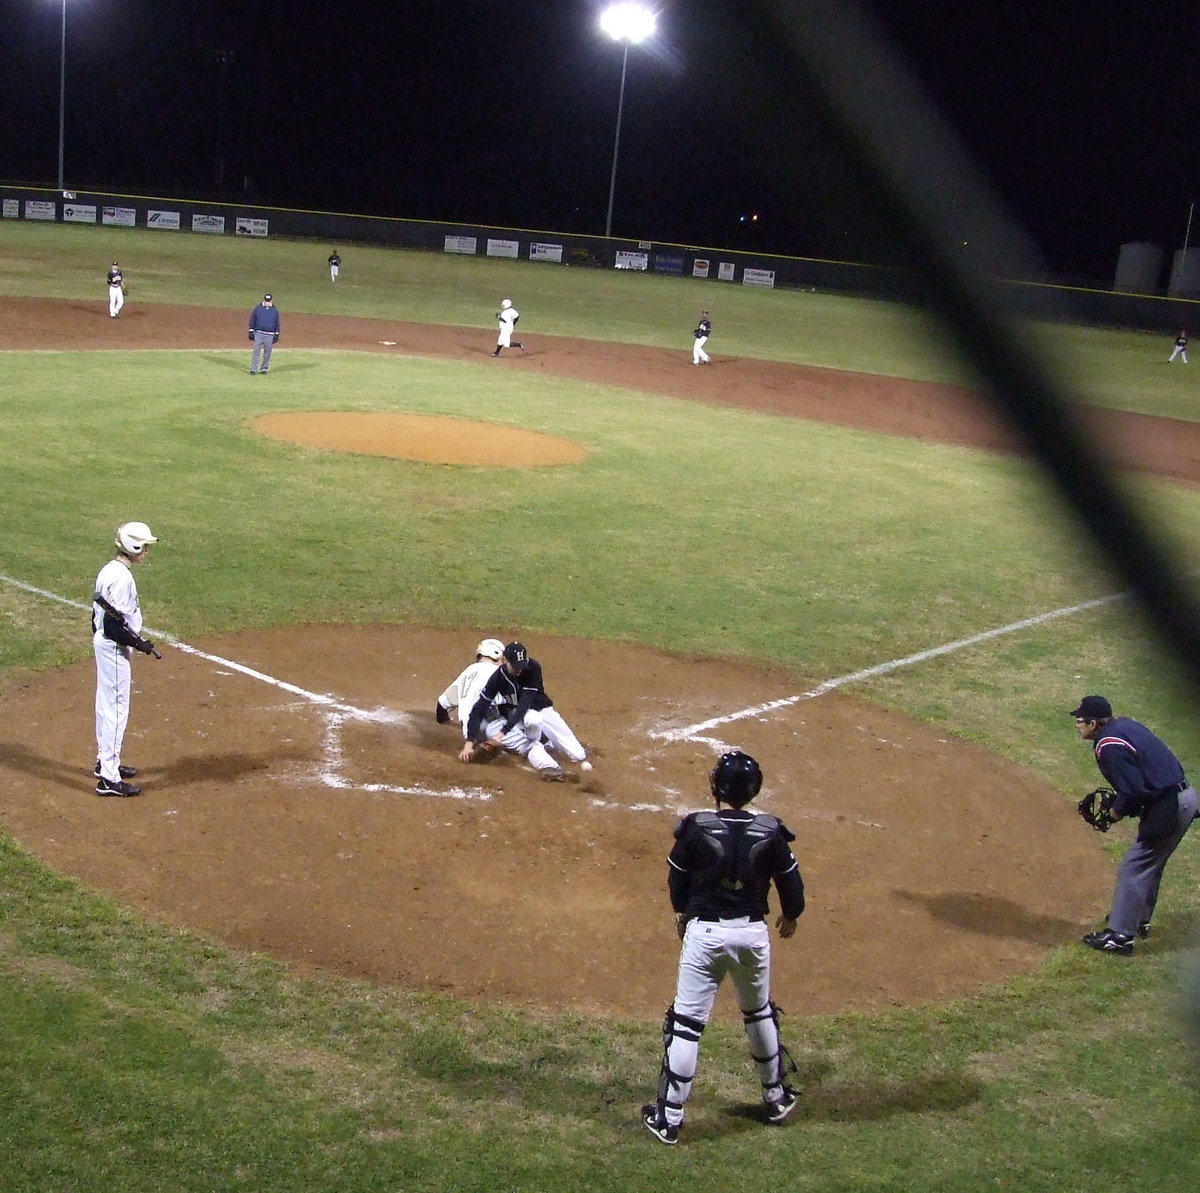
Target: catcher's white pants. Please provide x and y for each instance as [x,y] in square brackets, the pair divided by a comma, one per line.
[116,300]
[549,724]
[113,675]
[518,740]
[741,949]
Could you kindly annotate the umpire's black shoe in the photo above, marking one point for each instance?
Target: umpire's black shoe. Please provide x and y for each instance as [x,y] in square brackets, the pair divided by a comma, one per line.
[1108,941]
[106,787]
[127,772]
[1144,930]
[656,1123]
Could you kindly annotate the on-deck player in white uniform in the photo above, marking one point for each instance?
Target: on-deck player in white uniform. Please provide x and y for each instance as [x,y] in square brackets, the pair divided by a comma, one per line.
[720,872]
[115,584]
[507,317]
[461,694]
[116,291]
[528,723]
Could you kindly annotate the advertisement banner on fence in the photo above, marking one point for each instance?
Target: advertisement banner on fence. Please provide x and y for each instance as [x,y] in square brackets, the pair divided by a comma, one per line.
[214,224]
[503,248]
[462,244]
[668,263]
[79,213]
[163,219]
[546,252]
[758,277]
[12,209]
[630,260]
[247,226]
[40,209]
[700,268]
[725,271]
[124,217]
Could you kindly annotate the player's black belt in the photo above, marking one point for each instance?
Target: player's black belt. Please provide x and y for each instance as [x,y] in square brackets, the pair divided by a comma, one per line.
[716,919]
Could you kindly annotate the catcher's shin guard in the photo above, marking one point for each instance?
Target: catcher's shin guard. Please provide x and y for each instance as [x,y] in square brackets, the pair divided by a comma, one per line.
[771,1059]
[681,1049]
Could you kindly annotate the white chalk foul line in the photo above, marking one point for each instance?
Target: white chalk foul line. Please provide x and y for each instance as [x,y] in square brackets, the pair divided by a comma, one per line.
[693,732]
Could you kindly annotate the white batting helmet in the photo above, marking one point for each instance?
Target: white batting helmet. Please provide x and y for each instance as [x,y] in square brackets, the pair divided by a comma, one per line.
[490,648]
[134,537]
[505,303]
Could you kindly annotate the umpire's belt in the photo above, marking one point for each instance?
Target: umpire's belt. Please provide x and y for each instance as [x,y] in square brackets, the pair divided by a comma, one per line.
[1174,789]
[730,919]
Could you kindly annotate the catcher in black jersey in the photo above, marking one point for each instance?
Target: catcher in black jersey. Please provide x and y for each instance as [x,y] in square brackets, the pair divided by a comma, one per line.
[720,872]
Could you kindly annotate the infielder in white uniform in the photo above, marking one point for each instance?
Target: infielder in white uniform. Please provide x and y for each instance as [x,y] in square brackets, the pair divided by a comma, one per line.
[462,693]
[116,291]
[335,265]
[117,630]
[720,872]
[507,317]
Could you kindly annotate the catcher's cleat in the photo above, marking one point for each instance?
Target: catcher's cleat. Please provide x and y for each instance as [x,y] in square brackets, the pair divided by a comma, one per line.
[127,772]
[656,1123]
[105,787]
[778,1111]
[1108,941]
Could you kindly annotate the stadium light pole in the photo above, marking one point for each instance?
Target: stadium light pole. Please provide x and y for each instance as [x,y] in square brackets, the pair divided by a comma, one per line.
[62,93]
[631,24]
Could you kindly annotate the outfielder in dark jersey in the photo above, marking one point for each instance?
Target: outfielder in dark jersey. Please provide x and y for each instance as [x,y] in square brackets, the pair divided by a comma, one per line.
[1150,784]
[720,872]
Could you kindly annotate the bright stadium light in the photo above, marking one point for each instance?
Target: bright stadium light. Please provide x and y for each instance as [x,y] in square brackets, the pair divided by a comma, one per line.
[631,24]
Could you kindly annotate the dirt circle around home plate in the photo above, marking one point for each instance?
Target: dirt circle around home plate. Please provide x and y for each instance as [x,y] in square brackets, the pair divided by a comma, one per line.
[300,799]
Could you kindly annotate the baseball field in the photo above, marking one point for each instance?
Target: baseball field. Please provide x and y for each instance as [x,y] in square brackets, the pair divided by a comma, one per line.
[318,952]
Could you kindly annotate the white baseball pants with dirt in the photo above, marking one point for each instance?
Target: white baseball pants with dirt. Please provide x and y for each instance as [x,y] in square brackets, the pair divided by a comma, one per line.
[548,724]
[699,356]
[713,949]
[519,741]
[116,300]
[113,674]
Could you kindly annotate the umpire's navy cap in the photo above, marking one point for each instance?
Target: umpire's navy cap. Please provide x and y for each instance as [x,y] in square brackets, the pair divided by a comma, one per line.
[1092,708]
[516,654]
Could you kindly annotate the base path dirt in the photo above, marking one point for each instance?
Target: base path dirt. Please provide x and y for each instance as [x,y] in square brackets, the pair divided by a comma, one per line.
[300,799]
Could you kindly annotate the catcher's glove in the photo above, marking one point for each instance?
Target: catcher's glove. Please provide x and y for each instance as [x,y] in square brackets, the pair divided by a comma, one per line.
[1096,808]
[479,751]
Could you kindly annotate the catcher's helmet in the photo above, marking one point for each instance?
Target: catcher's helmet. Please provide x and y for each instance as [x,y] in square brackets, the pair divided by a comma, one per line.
[505,303]
[517,655]
[490,648]
[736,779]
[134,537]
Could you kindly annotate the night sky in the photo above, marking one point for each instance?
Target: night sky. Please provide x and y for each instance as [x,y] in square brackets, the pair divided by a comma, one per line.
[1082,116]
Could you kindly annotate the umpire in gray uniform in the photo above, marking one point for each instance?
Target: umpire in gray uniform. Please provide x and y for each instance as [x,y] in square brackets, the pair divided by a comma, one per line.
[1150,784]
[264,334]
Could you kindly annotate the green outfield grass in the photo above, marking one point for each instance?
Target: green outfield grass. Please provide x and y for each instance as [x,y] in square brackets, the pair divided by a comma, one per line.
[139,1058]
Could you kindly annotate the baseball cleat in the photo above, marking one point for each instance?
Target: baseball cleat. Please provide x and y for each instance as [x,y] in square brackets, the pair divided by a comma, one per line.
[557,775]
[1144,930]
[656,1123]
[127,772]
[1108,941]
[105,787]
[778,1111]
